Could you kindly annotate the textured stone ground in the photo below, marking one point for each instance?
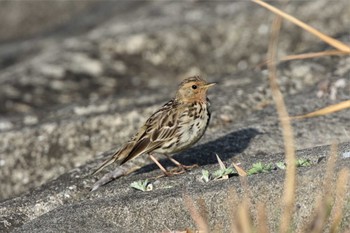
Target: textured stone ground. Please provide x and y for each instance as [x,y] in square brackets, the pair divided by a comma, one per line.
[66,98]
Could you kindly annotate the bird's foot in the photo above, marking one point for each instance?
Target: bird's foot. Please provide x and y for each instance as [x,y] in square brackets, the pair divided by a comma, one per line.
[188,167]
[177,171]
[172,172]
[181,169]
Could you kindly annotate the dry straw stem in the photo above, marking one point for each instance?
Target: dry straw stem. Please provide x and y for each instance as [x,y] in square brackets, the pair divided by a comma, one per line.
[337,215]
[290,180]
[327,110]
[245,223]
[202,209]
[343,49]
[331,41]
[307,56]
[330,169]
[319,218]
[232,204]
[239,211]
[313,55]
[262,226]
[325,202]
[201,223]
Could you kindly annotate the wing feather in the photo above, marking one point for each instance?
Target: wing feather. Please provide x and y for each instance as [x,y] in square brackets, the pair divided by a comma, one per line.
[158,129]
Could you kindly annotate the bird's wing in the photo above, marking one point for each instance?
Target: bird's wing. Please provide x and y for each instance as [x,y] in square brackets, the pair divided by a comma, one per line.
[158,129]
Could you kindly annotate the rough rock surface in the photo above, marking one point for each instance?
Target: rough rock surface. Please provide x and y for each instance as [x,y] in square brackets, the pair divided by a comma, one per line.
[67,97]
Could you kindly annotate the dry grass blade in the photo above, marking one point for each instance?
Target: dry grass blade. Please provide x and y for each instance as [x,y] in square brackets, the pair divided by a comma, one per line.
[342,184]
[232,201]
[202,209]
[318,221]
[245,223]
[330,168]
[200,222]
[244,217]
[324,201]
[289,184]
[306,56]
[329,176]
[241,220]
[262,226]
[313,55]
[331,41]
[239,170]
[327,110]
[221,164]
[175,231]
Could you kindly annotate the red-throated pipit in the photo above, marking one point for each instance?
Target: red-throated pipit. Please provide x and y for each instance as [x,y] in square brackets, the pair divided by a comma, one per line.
[176,126]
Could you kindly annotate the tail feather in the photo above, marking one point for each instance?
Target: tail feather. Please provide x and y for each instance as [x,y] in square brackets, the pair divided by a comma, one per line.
[117,156]
[118,172]
[105,164]
[122,170]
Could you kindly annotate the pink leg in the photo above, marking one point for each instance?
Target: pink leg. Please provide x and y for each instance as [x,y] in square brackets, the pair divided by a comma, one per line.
[166,172]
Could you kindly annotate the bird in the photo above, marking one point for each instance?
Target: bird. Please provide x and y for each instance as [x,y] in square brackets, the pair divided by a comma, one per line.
[173,128]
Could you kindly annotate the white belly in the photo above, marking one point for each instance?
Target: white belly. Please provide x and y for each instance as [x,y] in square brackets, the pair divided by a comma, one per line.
[192,129]
[191,126]
[192,133]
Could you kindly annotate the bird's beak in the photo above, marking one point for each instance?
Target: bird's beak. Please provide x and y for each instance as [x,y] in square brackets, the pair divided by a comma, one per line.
[209,85]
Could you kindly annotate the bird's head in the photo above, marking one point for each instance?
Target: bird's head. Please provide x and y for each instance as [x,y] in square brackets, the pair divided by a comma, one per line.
[193,89]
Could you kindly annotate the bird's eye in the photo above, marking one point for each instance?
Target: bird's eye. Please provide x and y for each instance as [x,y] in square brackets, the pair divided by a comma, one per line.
[194,86]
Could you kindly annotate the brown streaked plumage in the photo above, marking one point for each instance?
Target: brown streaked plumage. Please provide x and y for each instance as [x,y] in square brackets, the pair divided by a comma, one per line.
[174,127]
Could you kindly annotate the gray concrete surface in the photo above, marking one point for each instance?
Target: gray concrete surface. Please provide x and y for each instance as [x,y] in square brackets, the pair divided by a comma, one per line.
[68,98]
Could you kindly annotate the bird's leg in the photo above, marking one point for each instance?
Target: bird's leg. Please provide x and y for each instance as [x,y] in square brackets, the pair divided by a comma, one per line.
[166,172]
[182,167]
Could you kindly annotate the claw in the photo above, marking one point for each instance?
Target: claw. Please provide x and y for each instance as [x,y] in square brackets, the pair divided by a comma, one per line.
[180,165]
[172,172]
[189,167]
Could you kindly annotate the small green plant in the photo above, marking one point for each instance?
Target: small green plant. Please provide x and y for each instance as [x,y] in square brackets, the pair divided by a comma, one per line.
[303,163]
[260,168]
[205,176]
[298,163]
[281,165]
[221,173]
[143,185]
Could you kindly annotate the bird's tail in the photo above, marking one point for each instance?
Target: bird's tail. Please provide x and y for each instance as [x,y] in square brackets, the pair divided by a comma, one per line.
[121,170]
[106,163]
[118,172]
